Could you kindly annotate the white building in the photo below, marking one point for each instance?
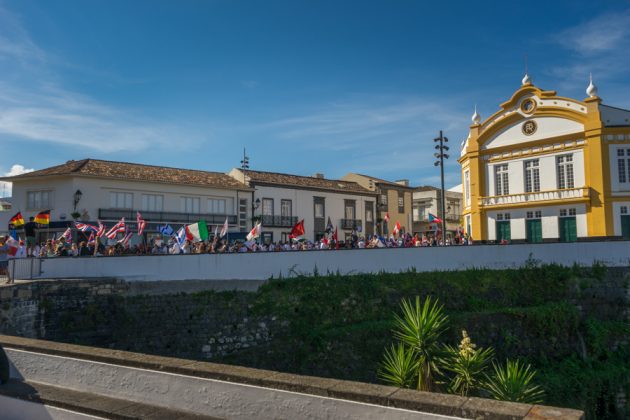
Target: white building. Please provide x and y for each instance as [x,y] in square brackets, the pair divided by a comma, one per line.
[91,190]
[281,200]
[426,200]
[547,168]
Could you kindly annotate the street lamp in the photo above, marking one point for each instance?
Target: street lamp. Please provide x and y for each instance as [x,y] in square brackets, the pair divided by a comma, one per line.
[77,197]
[440,156]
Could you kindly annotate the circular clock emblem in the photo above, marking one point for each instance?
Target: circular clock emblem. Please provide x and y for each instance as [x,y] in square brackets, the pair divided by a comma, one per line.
[529,127]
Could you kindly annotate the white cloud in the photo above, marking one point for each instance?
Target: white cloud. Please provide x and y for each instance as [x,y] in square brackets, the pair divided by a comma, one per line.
[603,34]
[34,106]
[5,187]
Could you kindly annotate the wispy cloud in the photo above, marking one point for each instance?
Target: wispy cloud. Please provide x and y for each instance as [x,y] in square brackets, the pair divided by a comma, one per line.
[35,106]
[598,46]
[5,187]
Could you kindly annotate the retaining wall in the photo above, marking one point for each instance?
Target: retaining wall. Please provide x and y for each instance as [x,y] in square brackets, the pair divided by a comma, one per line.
[262,266]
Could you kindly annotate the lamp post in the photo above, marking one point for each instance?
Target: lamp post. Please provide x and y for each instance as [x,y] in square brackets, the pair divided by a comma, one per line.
[440,156]
[77,197]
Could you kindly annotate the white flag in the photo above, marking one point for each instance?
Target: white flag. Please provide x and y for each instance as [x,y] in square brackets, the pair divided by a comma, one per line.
[255,233]
[224,229]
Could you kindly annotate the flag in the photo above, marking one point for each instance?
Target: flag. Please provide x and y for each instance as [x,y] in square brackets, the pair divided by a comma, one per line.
[141,223]
[13,246]
[17,220]
[216,232]
[125,240]
[334,238]
[386,218]
[224,229]
[396,230]
[181,236]
[298,230]
[116,229]
[67,235]
[255,232]
[101,229]
[434,219]
[43,217]
[84,227]
[165,230]
[91,239]
[329,226]
[197,232]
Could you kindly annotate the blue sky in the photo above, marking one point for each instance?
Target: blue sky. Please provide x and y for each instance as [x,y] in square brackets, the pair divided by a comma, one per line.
[306,86]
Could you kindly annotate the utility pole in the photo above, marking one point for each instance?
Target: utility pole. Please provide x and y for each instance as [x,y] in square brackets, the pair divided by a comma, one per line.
[440,155]
[244,168]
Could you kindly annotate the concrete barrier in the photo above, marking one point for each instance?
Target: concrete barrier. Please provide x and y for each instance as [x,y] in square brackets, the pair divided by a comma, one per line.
[262,266]
[86,378]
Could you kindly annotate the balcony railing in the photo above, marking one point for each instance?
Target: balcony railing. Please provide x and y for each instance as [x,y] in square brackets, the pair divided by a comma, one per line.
[164,216]
[350,223]
[567,194]
[278,221]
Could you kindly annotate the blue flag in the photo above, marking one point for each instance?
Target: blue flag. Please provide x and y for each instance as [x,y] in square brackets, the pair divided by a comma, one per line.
[166,230]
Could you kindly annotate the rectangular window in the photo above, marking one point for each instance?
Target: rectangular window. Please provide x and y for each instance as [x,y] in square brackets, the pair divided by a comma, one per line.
[242,214]
[564,166]
[267,207]
[319,210]
[624,209]
[369,215]
[384,197]
[37,200]
[121,200]
[217,206]
[623,165]
[467,187]
[190,205]
[401,202]
[152,202]
[285,208]
[500,216]
[563,212]
[532,176]
[350,209]
[501,179]
[571,212]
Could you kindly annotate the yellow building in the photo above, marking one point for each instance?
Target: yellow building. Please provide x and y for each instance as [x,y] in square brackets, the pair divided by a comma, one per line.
[547,168]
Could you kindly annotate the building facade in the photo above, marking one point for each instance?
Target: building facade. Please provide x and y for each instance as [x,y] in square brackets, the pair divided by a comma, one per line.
[89,190]
[281,200]
[393,198]
[426,200]
[547,168]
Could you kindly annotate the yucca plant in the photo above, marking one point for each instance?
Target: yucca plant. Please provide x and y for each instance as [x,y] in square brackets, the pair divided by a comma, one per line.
[420,327]
[514,382]
[399,367]
[466,364]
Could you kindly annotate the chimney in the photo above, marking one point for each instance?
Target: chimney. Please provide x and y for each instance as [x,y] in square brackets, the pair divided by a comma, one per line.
[318,175]
[404,182]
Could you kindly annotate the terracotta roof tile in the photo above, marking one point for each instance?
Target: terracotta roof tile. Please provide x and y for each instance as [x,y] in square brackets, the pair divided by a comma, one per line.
[136,172]
[275,178]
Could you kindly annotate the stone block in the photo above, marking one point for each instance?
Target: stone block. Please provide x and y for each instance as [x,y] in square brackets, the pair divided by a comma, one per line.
[540,412]
[481,408]
[299,383]
[363,392]
[430,402]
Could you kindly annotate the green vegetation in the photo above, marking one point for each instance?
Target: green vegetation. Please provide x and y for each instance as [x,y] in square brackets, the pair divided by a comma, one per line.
[514,382]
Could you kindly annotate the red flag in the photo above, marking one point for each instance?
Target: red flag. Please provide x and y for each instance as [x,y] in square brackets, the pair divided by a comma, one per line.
[386,218]
[335,239]
[298,230]
[396,230]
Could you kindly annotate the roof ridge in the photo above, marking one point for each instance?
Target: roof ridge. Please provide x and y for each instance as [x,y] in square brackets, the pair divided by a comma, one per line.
[148,165]
[300,176]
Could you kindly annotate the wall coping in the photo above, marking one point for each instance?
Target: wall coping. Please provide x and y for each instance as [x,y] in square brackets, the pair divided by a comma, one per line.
[435,403]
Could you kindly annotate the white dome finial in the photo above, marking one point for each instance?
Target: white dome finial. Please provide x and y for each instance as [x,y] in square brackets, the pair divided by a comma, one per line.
[526,80]
[591,90]
[476,118]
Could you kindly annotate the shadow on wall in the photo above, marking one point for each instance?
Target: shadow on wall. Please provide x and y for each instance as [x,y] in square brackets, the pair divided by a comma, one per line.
[18,399]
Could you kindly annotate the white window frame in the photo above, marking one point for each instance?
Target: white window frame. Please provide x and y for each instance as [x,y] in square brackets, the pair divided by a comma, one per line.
[121,200]
[623,165]
[286,208]
[564,170]
[532,175]
[467,187]
[501,179]
[38,200]
[267,208]
[217,206]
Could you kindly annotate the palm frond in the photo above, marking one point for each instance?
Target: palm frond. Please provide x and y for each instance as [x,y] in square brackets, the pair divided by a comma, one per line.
[399,367]
[514,382]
